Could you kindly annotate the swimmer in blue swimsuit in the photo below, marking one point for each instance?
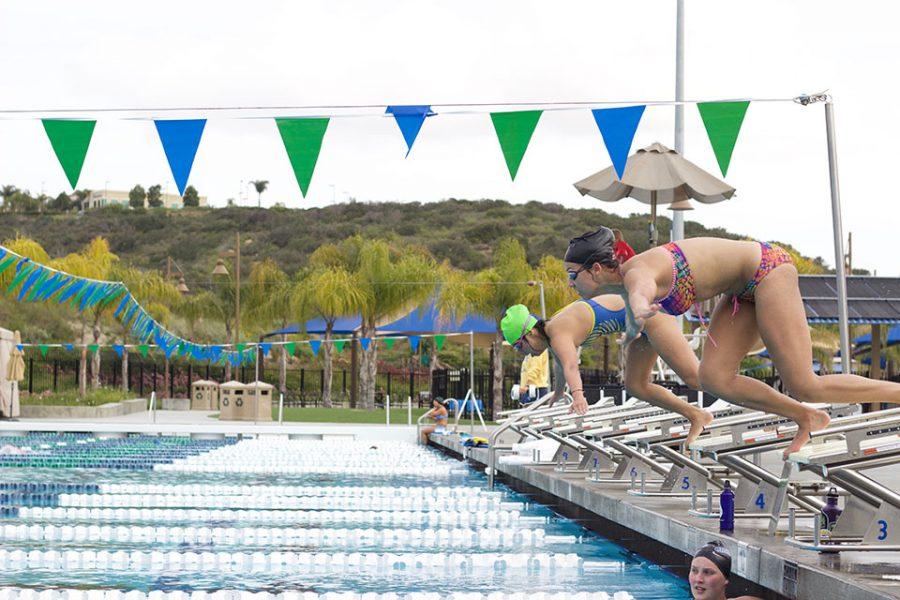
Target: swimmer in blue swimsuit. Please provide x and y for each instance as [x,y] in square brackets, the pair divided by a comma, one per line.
[439,414]
[581,323]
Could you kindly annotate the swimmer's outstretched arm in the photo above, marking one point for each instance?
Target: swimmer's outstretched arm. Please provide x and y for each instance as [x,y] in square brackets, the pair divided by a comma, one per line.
[567,354]
[640,288]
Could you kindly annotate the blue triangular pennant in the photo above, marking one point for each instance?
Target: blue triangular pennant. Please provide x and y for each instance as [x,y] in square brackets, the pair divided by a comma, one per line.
[618,126]
[409,120]
[120,349]
[265,347]
[365,343]
[29,281]
[414,342]
[314,345]
[180,139]
[69,347]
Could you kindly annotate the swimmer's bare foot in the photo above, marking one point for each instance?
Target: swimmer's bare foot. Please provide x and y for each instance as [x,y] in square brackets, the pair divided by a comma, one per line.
[815,420]
[699,421]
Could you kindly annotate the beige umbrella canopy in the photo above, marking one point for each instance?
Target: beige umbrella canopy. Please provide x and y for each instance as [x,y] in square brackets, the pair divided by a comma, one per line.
[657,175]
[16,361]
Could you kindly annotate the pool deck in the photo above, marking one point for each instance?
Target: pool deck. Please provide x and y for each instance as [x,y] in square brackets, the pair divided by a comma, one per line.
[199,424]
[769,562]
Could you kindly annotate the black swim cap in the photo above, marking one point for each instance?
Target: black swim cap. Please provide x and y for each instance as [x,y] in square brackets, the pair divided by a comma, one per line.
[596,245]
[719,555]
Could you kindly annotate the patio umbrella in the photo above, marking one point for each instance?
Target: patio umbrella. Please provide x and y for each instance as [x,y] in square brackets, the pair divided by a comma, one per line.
[657,175]
[16,371]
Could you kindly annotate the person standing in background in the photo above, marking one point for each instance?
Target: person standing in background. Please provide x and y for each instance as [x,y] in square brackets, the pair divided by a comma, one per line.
[534,381]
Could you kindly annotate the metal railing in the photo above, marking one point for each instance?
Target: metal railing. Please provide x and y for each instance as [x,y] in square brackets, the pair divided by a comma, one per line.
[513,420]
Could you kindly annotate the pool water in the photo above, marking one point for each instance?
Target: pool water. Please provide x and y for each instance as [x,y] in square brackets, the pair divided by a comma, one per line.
[275,516]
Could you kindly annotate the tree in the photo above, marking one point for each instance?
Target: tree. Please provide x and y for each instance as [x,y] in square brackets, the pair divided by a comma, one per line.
[155,294]
[260,185]
[327,291]
[7,192]
[489,293]
[394,278]
[191,198]
[81,197]
[270,303]
[61,203]
[137,196]
[154,196]
[95,261]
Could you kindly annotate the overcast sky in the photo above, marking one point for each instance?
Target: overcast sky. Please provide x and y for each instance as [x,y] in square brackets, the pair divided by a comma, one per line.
[95,55]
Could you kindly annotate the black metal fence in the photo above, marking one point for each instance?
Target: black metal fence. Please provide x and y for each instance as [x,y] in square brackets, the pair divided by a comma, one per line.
[303,387]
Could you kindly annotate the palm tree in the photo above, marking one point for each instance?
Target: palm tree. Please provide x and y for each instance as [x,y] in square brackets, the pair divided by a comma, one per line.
[394,279]
[489,293]
[260,186]
[157,295]
[327,291]
[7,192]
[95,261]
[270,304]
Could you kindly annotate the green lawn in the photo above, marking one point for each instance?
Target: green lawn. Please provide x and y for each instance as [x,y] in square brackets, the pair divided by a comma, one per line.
[343,415]
[348,415]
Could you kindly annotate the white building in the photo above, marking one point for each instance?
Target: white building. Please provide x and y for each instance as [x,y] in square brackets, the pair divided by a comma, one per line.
[101,198]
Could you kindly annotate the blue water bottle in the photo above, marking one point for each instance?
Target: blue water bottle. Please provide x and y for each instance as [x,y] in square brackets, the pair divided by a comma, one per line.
[726,517]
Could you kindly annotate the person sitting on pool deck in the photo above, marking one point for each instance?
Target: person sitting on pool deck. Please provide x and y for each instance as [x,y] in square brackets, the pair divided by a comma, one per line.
[761,298]
[439,414]
[710,570]
[584,321]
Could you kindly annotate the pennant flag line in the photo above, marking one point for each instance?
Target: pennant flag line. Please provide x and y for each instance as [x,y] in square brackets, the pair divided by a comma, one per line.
[302,140]
[723,122]
[618,126]
[514,130]
[70,140]
[180,140]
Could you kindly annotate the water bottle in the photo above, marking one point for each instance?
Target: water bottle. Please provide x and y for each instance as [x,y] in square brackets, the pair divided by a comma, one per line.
[830,512]
[726,500]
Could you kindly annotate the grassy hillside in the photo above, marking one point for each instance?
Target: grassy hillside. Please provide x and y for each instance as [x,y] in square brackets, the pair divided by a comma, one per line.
[461,231]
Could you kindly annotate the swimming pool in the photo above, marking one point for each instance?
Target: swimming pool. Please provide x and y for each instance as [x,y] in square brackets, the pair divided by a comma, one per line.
[83,518]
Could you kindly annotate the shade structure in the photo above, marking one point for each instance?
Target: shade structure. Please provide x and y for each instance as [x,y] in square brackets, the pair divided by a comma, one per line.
[656,175]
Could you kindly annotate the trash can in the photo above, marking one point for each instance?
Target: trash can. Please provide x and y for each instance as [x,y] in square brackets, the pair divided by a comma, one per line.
[204,395]
[231,402]
[258,395]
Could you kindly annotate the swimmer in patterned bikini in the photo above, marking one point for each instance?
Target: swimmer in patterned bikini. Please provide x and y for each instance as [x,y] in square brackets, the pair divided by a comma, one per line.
[761,299]
[581,323]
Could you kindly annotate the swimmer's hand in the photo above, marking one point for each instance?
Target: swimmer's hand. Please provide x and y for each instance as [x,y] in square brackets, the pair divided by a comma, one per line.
[643,314]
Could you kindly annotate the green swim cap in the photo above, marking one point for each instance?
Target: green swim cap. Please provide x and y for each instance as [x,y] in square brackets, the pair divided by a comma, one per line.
[517,322]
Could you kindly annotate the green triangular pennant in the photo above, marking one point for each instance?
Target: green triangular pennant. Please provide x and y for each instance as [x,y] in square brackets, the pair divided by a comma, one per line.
[389,342]
[514,131]
[290,347]
[93,348]
[302,140]
[339,345]
[723,123]
[144,349]
[43,348]
[239,348]
[439,341]
[70,141]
